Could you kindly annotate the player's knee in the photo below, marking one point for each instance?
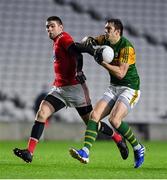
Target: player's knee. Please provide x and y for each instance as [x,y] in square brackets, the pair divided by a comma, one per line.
[114,120]
[85,118]
[42,115]
[115,123]
[95,116]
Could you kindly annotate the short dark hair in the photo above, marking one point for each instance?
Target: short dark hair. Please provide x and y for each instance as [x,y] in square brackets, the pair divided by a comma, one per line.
[117,24]
[55,18]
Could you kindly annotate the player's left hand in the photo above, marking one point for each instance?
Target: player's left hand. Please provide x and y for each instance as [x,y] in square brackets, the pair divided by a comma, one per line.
[80,77]
[88,41]
[98,55]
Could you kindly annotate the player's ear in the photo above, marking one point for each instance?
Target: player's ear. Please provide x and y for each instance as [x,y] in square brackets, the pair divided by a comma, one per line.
[61,26]
[119,31]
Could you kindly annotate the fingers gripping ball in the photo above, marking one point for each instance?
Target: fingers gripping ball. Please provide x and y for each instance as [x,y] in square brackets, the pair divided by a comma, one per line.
[107,53]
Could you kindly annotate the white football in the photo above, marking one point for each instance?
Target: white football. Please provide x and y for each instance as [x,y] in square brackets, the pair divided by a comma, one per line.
[108,53]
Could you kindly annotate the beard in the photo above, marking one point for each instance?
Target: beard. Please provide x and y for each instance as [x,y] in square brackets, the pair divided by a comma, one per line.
[106,36]
[51,36]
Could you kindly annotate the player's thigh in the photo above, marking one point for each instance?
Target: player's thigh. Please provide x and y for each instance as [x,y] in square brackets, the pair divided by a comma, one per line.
[104,106]
[57,97]
[118,112]
[126,101]
[45,111]
[47,107]
[78,95]
[129,97]
[100,110]
[55,103]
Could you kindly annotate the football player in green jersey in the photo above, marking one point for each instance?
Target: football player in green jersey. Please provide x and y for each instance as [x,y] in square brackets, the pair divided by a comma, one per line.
[122,94]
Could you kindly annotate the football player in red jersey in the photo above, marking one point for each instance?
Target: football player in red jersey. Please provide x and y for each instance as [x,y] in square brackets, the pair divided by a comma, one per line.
[69,90]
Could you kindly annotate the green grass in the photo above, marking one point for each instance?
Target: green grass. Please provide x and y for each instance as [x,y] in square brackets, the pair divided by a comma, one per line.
[52,161]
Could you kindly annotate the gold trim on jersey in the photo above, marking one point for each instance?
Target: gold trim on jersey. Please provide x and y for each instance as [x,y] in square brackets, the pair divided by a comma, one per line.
[127,55]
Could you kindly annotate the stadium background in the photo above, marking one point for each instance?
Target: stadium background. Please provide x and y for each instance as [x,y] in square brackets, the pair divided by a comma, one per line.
[26,61]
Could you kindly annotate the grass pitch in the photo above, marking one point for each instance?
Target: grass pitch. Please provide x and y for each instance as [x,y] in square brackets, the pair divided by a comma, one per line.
[52,161]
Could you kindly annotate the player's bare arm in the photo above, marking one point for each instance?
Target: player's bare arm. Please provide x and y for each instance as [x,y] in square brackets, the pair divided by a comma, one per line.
[118,71]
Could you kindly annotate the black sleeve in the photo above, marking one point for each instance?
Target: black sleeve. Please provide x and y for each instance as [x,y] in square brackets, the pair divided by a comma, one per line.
[73,50]
[85,49]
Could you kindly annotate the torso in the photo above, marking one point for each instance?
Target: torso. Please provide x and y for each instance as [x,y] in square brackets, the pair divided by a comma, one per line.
[64,64]
[124,52]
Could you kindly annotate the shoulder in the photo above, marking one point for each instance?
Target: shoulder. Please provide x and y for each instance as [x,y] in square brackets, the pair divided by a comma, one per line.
[65,35]
[126,43]
[66,39]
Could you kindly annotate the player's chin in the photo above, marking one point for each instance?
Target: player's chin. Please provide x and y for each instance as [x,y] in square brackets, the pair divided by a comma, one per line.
[51,36]
[106,36]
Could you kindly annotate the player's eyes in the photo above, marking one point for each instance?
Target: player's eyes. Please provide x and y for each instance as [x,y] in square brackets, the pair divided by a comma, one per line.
[48,26]
[108,28]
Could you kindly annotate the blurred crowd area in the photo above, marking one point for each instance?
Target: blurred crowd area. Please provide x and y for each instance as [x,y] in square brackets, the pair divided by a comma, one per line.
[26,52]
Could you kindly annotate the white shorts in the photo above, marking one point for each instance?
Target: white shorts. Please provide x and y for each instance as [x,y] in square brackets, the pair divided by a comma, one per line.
[121,93]
[72,96]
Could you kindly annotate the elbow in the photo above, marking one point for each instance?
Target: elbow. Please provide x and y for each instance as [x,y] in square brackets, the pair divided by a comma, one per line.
[120,76]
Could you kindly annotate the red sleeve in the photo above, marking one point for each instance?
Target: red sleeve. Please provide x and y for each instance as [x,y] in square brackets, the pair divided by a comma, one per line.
[66,40]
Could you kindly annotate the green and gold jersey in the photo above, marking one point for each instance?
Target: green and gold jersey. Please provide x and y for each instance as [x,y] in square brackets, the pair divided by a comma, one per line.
[123,52]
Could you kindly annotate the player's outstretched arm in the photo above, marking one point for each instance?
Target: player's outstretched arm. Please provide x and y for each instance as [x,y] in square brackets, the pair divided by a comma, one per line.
[85,49]
[86,45]
[87,41]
